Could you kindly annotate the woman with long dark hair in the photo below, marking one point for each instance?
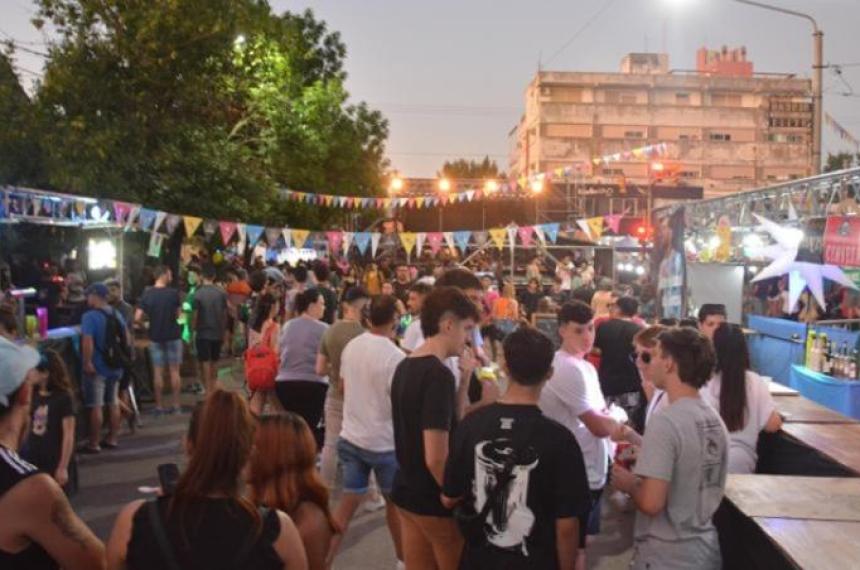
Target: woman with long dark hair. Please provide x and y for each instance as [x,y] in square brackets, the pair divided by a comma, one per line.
[206,522]
[264,328]
[283,476]
[742,398]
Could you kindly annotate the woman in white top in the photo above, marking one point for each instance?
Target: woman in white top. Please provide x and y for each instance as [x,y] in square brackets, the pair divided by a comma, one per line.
[742,398]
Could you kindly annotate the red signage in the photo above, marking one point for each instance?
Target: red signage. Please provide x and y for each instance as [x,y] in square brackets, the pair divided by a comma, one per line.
[842,241]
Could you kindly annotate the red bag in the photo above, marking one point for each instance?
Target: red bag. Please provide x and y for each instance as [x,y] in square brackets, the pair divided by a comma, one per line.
[262,363]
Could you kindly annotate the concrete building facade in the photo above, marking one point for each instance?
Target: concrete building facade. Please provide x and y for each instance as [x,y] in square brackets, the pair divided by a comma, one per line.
[726,127]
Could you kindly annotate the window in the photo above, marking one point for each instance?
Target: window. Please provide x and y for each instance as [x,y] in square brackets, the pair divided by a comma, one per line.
[621,97]
[683,137]
[688,174]
[682,98]
[633,135]
[720,137]
[726,100]
[613,171]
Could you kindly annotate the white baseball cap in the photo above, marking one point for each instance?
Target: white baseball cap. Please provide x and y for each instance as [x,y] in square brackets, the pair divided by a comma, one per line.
[15,362]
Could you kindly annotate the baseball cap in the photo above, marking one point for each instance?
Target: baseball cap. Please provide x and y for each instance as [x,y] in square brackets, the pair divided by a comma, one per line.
[97,289]
[112,282]
[355,293]
[274,274]
[15,362]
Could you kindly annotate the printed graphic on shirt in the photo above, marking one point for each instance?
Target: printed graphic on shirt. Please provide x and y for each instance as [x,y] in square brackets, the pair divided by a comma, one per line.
[40,420]
[509,521]
[711,434]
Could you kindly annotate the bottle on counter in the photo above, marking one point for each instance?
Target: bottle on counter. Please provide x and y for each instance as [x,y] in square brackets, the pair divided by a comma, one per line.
[810,346]
[852,366]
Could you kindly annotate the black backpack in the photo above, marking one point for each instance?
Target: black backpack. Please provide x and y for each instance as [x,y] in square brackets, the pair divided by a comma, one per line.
[116,352]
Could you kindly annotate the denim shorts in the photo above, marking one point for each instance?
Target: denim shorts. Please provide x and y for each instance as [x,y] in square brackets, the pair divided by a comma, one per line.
[357,464]
[167,353]
[99,391]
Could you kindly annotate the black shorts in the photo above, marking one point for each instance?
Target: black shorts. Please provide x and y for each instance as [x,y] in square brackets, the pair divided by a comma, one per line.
[591,525]
[208,350]
[306,398]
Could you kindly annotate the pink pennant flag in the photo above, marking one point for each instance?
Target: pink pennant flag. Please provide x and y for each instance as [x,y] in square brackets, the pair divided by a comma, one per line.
[335,240]
[120,211]
[614,222]
[380,202]
[525,233]
[435,241]
[227,231]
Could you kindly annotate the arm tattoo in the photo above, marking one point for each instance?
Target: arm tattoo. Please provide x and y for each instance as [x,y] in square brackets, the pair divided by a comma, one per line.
[64,519]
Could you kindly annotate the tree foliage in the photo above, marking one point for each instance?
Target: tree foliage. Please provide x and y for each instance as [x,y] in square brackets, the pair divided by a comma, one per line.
[205,107]
[19,149]
[841,161]
[463,169]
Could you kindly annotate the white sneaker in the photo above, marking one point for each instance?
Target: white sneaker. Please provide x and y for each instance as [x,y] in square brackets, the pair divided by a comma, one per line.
[372,504]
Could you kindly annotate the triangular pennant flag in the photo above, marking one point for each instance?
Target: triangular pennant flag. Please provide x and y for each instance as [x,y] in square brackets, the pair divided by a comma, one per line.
[300,237]
[525,233]
[160,218]
[449,239]
[362,240]
[155,242]
[461,238]
[146,218]
[551,231]
[80,207]
[613,221]
[583,225]
[120,212]
[512,235]
[227,231]
[380,203]
[403,202]
[335,240]
[421,237]
[191,224]
[242,230]
[287,234]
[435,241]
[347,241]
[407,240]
[273,235]
[420,201]
[254,233]
[480,238]
[374,242]
[470,195]
[171,223]
[596,226]
[498,236]
[539,232]
[209,228]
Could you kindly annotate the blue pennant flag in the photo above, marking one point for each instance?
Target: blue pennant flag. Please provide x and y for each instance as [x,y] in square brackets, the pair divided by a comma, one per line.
[362,240]
[461,238]
[146,218]
[551,231]
[254,233]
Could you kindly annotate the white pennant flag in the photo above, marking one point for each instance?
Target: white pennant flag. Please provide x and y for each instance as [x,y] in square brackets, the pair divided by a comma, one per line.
[540,233]
[374,242]
[512,235]
[449,239]
[159,219]
[583,224]
[132,217]
[288,237]
[242,232]
[420,238]
[470,195]
[347,242]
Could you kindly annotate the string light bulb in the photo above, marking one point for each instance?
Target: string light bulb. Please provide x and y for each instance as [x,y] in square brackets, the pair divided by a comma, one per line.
[444,185]
[491,186]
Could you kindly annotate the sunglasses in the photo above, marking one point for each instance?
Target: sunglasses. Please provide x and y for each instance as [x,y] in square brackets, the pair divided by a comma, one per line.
[645,356]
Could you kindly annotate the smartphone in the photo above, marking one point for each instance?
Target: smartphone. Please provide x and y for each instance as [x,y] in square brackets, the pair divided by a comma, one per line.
[168,475]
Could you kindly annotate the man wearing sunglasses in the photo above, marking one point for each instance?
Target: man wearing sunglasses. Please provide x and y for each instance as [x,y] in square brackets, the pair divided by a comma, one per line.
[680,473]
[573,398]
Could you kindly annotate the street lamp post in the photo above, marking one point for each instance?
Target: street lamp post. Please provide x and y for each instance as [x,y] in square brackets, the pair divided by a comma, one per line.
[817,70]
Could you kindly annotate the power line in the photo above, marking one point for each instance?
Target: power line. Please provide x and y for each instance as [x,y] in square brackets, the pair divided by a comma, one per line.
[578,32]
[448,154]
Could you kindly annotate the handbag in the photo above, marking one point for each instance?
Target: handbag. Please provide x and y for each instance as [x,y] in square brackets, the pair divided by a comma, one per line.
[470,521]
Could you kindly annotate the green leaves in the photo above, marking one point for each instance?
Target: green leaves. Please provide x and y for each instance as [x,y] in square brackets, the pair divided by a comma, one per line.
[204,107]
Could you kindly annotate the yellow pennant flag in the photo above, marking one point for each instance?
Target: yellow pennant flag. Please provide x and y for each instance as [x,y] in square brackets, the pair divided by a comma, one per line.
[407,239]
[80,207]
[498,236]
[420,201]
[596,226]
[191,224]
[300,237]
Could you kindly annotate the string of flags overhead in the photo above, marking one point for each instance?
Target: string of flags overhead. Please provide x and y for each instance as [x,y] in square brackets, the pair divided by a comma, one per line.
[520,188]
[38,206]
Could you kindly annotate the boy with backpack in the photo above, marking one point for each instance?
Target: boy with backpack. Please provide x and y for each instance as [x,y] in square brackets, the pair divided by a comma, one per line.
[104,352]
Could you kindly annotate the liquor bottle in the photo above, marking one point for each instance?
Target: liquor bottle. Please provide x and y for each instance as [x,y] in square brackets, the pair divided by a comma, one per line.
[855,371]
[827,358]
[813,355]
[810,346]
[851,374]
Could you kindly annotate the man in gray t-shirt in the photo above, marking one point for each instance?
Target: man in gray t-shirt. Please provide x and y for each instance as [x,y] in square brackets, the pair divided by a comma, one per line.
[209,321]
[680,475]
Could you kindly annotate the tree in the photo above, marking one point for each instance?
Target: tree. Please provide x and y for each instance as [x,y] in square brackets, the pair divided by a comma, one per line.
[19,149]
[841,161]
[471,169]
[205,107]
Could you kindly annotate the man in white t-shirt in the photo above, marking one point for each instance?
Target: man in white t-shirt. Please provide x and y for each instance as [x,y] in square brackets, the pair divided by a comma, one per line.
[412,337]
[573,398]
[366,440]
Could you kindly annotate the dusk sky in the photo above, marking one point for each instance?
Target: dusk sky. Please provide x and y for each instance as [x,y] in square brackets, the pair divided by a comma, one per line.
[450,75]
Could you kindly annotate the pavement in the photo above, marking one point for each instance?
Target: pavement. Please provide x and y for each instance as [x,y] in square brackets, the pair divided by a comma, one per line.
[113,478]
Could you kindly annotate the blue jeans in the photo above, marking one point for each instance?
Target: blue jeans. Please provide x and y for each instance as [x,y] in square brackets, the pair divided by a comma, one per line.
[99,391]
[357,464]
[167,353]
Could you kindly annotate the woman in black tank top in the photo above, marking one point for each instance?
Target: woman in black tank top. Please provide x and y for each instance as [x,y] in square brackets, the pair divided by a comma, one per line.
[206,523]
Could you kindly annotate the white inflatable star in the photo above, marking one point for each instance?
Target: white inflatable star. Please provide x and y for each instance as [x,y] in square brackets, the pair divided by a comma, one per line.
[801,274]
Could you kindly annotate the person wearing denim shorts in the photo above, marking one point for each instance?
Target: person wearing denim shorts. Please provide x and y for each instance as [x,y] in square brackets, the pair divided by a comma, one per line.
[100,381]
[366,440]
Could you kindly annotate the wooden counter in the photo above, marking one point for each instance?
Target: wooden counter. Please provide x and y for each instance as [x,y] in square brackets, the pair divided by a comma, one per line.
[783,496]
[838,442]
[797,409]
[815,544]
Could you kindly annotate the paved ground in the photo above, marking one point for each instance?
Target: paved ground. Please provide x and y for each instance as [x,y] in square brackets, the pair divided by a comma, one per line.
[111,479]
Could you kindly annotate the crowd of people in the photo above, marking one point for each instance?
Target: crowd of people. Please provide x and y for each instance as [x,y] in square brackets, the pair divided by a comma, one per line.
[431,396]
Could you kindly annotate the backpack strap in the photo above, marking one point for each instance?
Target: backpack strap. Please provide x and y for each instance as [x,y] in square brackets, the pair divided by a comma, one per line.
[168,555]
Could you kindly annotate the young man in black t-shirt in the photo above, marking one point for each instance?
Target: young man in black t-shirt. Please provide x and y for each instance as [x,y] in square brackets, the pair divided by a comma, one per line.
[425,406]
[534,517]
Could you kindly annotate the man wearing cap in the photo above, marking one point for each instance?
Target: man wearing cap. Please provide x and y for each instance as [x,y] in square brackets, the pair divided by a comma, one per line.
[100,381]
[39,529]
[334,340]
